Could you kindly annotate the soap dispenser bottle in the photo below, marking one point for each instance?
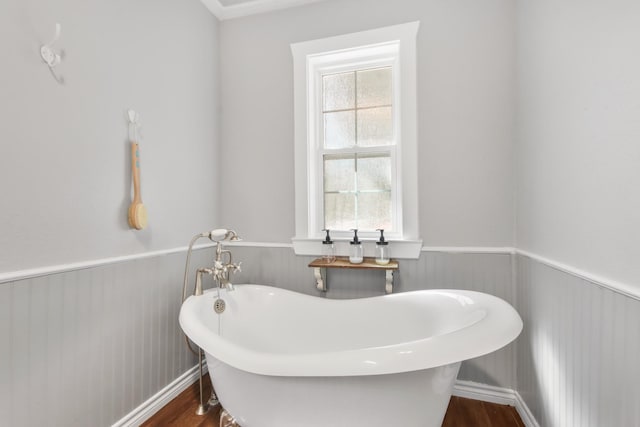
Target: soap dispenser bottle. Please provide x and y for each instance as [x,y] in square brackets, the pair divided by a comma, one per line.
[355,251]
[328,250]
[382,249]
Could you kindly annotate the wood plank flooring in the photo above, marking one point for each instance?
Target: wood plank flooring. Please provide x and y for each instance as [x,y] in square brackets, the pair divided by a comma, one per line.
[180,412]
[476,413]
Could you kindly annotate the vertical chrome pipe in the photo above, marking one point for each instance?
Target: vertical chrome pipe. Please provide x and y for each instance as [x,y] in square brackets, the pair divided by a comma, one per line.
[203,408]
[216,236]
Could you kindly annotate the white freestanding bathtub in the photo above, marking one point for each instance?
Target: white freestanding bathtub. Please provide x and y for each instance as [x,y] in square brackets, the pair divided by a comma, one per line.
[283,359]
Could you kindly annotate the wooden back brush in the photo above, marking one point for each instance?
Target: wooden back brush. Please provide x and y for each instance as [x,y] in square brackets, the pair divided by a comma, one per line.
[137,211]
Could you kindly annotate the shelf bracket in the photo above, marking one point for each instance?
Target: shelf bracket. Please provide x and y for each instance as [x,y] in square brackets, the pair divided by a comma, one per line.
[321,278]
[388,288]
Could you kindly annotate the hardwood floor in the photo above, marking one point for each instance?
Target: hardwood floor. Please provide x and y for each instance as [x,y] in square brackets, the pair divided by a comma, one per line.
[476,413]
[180,412]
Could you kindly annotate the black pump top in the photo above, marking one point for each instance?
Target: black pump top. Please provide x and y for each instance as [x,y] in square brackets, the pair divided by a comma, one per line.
[327,240]
[381,241]
[355,240]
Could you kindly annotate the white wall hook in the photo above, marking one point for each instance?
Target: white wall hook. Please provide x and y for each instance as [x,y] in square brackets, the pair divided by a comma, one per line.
[132,116]
[49,56]
[134,125]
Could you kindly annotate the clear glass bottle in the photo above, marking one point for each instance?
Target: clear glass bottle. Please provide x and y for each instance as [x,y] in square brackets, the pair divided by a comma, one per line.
[356,252]
[382,249]
[328,250]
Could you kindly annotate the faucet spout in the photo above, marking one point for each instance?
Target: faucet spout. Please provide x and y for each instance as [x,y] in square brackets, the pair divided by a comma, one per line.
[198,287]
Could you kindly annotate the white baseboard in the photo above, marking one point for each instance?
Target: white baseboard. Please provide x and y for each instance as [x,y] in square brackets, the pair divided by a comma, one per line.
[156,402]
[523,410]
[493,394]
[484,392]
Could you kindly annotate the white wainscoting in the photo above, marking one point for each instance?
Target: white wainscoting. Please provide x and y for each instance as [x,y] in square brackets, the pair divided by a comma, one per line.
[578,353]
[159,400]
[85,347]
[107,334]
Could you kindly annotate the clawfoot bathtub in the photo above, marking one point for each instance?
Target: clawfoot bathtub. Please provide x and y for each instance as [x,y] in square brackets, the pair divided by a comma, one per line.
[283,359]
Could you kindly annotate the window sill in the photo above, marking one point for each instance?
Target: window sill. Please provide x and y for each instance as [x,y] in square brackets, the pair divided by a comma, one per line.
[403,249]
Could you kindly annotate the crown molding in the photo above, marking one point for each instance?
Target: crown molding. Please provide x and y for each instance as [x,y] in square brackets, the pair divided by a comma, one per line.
[251,7]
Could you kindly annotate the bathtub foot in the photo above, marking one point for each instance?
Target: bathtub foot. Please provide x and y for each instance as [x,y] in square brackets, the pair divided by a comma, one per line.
[213,400]
[226,420]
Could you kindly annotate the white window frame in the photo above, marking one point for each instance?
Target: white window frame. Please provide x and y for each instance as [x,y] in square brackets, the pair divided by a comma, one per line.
[396,46]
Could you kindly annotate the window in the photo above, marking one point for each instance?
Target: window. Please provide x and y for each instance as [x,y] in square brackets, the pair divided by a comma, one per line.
[356,148]
[357,151]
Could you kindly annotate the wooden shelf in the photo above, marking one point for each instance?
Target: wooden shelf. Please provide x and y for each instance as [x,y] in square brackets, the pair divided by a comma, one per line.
[343,262]
[319,270]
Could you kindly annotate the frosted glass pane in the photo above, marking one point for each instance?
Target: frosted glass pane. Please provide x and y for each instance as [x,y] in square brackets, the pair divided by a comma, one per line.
[339,129]
[339,173]
[374,211]
[375,127]
[339,91]
[374,173]
[339,211]
[374,87]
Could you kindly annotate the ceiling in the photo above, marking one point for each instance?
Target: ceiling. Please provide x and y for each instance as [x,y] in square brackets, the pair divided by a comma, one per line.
[229,9]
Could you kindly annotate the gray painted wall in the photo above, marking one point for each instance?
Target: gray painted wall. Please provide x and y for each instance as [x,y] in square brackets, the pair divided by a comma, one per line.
[578,132]
[466,100]
[86,347]
[64,157]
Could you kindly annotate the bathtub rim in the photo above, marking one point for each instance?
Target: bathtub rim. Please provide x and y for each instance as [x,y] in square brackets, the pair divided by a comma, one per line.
[492,332]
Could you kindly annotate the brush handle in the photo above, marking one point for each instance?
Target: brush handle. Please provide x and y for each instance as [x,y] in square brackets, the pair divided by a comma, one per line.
[135,171]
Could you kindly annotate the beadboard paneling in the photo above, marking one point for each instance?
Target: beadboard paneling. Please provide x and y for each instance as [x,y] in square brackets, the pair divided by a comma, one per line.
[578,354]
[484,272]
[91,345]
[86,347]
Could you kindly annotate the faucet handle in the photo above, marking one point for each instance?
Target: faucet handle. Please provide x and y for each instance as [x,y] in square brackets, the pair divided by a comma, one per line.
[236,267]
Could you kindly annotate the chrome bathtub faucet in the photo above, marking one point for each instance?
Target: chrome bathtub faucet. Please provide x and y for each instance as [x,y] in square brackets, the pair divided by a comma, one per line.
[221,273]
[222,270]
